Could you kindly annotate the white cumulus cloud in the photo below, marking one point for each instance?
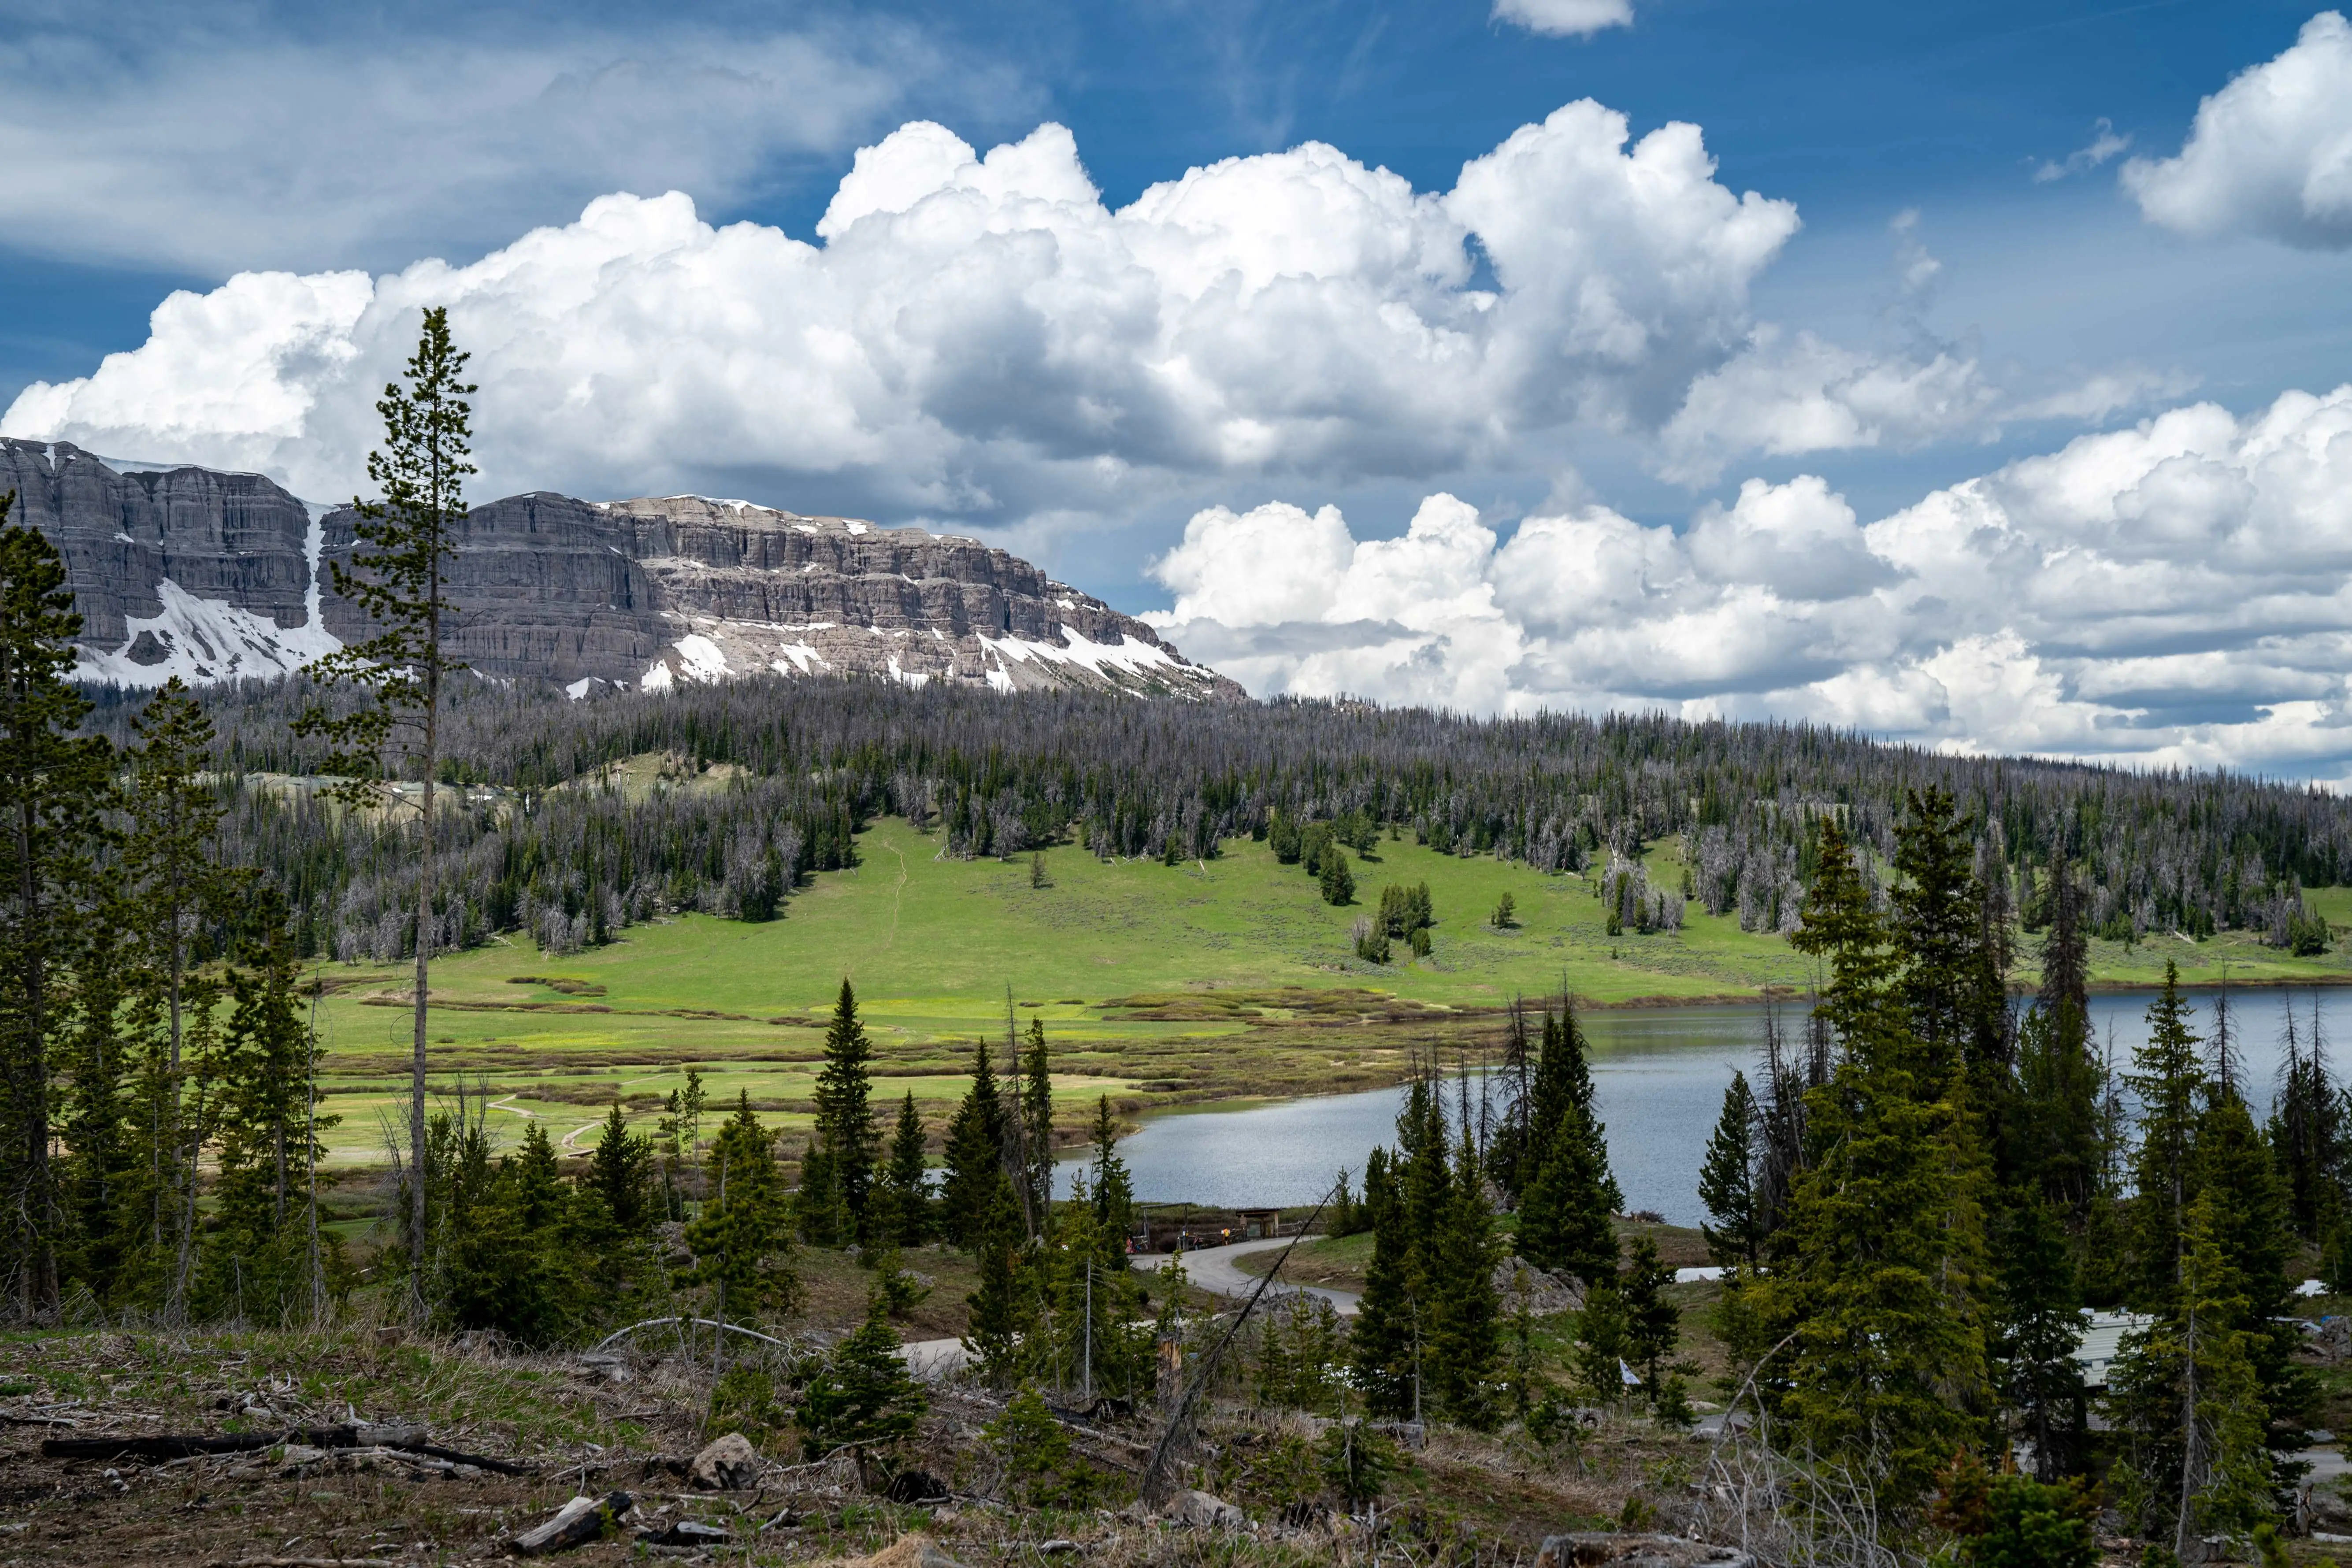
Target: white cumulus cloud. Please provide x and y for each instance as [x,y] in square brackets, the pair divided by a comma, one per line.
[1565,18]
[1787,394]
[2175,593]
[2270,154]
[983,338]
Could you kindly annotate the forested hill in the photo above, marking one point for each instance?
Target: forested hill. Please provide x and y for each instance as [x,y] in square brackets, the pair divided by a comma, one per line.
[764,781]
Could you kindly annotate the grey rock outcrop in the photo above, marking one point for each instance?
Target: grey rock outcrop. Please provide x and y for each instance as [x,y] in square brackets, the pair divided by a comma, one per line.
[141,544]
[212,576]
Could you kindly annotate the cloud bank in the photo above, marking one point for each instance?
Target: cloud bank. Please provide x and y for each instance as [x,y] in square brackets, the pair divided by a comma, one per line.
[981,338]
[2175,593]
[2270,154]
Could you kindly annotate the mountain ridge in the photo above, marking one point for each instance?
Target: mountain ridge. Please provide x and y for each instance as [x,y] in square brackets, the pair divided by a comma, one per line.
[211,576]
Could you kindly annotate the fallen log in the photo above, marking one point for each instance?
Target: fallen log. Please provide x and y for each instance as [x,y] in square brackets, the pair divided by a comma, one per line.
[189,1445]
[576,1523]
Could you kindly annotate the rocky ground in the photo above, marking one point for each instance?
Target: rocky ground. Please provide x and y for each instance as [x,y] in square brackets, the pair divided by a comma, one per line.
[625,1431]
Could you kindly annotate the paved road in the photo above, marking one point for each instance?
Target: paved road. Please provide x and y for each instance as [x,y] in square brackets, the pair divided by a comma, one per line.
[1212,1269]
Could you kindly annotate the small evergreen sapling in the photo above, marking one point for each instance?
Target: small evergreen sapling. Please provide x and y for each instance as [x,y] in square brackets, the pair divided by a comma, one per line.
[862,1395]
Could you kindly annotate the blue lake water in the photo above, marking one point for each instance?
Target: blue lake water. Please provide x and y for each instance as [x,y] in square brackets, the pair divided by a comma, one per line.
[1658,1076]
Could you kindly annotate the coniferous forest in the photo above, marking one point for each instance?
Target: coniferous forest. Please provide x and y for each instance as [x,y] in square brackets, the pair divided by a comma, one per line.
[529,842]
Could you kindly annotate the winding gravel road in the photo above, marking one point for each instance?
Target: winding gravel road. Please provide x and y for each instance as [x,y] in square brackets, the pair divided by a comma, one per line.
[1212,1269]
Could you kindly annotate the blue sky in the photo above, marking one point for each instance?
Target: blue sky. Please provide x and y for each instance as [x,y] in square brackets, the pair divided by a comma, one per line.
[2002,311]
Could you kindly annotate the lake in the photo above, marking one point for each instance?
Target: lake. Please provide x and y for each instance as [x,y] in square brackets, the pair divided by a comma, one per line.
[1658,1076]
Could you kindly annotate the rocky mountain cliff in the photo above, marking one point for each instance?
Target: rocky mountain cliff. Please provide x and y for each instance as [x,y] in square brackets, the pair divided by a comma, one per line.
[214,576]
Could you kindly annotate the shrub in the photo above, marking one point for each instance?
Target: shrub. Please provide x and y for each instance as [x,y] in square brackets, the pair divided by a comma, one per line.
[1339,882]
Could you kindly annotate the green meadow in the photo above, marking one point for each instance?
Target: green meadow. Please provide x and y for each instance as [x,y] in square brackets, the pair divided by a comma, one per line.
[1157,984]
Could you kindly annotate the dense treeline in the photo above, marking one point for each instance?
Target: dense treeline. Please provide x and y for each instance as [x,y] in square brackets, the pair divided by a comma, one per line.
[1925,1194]
[1912,1208]
[784,772]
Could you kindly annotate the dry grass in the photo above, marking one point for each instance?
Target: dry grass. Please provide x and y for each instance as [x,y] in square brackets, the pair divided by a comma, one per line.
[1468,1499]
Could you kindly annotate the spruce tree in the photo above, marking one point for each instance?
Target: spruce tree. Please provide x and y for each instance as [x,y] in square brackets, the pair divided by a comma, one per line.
[1114,1190]
[862,1396]
[176,889]
[837,1174]
[906,1179]
[1951,999]
[2187,1406]
[2168,1078]
[975,1155]
[1727,1182]
[1567,1192]
[257,1259]
[1875,1282]
[1654,1327]
[999,1304]
[1602,1342]
[741,1238]
[1381,1341]
[2306,1132]
[1463,1346]
[1337,882]
[2055,1137]
[1037,1124]
[53,787]
[1564,1220]
[396,578]
[620,1181]
[2036,1326]
[101,1178]
[2251,1214]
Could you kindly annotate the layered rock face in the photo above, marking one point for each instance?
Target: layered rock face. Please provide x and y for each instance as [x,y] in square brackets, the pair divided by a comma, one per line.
[212,576]
[177,572]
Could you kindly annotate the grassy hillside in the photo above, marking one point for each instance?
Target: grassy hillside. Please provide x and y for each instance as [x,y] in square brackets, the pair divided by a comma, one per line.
[1157,983]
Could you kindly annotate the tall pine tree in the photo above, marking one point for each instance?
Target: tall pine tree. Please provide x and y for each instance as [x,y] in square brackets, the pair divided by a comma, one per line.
[53,786]
[1037,1124]
[398,579]
[975,1157]
[837,1174]
[1875,1282]
[1567,1191]
[1727,1182]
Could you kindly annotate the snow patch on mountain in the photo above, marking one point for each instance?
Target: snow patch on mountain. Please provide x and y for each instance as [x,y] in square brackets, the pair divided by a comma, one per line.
[205,640]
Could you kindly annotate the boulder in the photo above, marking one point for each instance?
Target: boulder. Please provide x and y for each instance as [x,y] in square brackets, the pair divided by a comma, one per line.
[726,1464]
[1546,1293]
[1199,1511]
